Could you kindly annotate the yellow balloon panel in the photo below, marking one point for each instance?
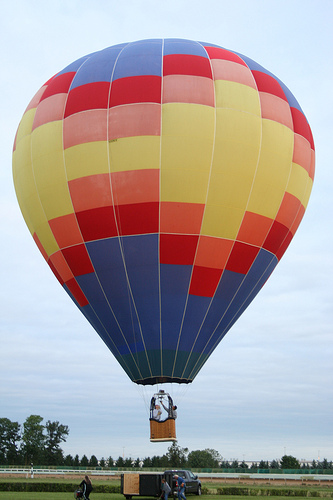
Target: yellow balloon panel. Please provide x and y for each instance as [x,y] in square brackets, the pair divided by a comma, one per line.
[233,126]
[45,236]
[273,170]
[25,183]
[47,139]
[135,153]
[193,154]
[221,221]
[298,181]
[238,139]
[22,167]
[25,126]
[55,172]
[305,199]
[56,200]
[184,185]
[186,152]
[228,190]
[29,198]
[86,159]
[51,182]
[188,120]
[237,96]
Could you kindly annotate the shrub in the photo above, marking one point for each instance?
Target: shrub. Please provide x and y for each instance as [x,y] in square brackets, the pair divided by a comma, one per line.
[54,487]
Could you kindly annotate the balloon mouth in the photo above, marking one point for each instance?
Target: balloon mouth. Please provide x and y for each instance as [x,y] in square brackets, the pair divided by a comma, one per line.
[162,380]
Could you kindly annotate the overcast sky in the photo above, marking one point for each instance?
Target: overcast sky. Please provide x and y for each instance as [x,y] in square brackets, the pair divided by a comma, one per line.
[267,390]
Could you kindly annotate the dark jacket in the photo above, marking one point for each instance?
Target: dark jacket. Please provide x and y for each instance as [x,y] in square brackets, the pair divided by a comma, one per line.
[86,488]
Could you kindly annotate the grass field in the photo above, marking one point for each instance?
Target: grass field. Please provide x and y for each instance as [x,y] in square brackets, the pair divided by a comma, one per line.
[4,495]
[114,496]
[251,491]
[13,495]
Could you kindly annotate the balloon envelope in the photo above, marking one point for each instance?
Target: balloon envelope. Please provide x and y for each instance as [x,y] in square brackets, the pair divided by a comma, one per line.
[163,180]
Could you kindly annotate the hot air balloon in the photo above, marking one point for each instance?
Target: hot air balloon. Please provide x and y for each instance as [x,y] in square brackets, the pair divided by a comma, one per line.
[163,180]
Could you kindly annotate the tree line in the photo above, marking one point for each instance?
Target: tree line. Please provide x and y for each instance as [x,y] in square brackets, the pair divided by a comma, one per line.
[38,443]
[33,442]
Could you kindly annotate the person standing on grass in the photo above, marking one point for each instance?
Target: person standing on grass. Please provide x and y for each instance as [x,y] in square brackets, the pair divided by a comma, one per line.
[86,487]
[180,488]
[165,489]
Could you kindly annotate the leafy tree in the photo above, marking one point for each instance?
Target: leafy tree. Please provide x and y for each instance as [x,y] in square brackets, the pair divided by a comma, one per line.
[324,464]
[84,461]
[204,459]
[164,462]
[55,434]
[156,461]
[76,461]
[9,437]
[69,460]
[93,462]
[147,462]
[176,455]
[120,462]
[263,464]
[234,464]
[243,465]
[33,439]
[225,464]
[254,466]
[289,462]
[274,464]
[215,455]
[110,462]
[128,462]
[102,462]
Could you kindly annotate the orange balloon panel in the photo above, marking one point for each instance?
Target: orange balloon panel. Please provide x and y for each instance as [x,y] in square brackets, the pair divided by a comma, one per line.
[163,180]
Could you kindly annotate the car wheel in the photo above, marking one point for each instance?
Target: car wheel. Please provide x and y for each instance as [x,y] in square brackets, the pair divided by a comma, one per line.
[199,490]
